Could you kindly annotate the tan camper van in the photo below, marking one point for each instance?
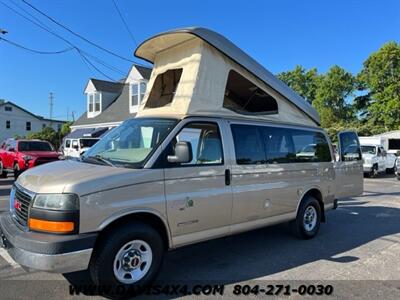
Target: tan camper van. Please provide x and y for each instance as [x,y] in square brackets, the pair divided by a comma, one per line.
[219,146]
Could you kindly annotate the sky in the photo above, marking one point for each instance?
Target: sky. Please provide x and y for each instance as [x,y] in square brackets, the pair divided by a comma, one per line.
[278,34]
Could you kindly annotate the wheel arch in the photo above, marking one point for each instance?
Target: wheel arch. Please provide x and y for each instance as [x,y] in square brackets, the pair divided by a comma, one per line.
[151,218]
[316,193]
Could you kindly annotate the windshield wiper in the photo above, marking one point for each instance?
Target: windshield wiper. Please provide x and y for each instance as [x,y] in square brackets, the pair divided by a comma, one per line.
[101,159]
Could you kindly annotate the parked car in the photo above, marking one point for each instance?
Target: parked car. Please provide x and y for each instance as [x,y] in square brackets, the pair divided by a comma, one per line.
[213,151]
[19,155]
[376,160]
[76,147]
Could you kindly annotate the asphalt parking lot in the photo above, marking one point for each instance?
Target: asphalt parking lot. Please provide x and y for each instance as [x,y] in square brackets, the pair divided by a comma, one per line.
[357,251]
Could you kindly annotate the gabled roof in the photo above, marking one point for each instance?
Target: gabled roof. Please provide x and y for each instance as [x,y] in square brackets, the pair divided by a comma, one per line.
[117,111]
[107,86]
[151,47]
[3,103]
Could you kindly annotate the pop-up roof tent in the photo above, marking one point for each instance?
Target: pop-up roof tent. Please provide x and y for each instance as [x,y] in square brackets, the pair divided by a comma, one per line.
[199,72]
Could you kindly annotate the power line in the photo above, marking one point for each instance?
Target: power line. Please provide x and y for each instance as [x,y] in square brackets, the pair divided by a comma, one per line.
[124,22]
[46,28]
[36,51]
[75,33]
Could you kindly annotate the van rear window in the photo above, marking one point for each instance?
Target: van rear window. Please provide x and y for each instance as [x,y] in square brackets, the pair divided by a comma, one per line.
[277,145]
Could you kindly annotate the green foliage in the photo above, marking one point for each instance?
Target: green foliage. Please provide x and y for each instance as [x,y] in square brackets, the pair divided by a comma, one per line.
[368,102]
[381,76]
[304,82]
[51,135]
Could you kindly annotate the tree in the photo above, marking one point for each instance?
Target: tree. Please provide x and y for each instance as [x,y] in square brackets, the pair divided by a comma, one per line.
[303,82]
[65,129]
[381,76]
[47,134]
[333,96]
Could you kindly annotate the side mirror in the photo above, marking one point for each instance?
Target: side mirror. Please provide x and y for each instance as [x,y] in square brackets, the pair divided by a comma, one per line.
[183,153]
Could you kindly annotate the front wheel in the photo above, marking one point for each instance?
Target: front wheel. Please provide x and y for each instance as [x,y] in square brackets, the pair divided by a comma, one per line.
[127,259]
[17,171]
[374,172]
[3,173]
[308,219]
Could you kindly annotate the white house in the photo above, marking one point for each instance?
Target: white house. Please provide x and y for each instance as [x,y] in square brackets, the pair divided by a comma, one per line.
[108,103]
[17,121]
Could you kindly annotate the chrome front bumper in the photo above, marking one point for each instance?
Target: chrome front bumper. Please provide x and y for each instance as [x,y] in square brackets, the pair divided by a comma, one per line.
[46,252]
[56,263]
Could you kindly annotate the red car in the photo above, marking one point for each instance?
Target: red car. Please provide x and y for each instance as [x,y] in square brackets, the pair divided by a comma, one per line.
[18,155]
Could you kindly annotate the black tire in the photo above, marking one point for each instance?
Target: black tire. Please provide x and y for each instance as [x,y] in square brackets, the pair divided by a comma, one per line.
[374,172]
[17,171]
[298,225]
[390,171]
[3,174]
[102,262]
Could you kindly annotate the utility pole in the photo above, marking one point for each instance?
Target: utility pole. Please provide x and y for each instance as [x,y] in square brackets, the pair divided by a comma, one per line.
[51,98]
[73,116]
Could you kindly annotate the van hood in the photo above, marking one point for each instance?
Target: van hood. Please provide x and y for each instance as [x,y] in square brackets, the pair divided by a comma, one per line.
[70,176]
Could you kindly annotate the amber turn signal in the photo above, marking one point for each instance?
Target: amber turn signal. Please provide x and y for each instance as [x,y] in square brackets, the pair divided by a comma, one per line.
[51,226]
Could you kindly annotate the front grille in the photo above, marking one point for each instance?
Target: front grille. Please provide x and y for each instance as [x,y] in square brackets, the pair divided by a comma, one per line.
[44,160]
[25,199]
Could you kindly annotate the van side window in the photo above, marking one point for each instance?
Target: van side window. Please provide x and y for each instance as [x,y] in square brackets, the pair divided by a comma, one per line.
[350,147]
[205,140]
[243,96]
[67,143]
[164,87]
[311,146]
[279,145]
[248,146]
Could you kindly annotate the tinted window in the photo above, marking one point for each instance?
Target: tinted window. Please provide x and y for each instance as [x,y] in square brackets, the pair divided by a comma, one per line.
[34,146]
[243,96]
[350,147]
[394,144]
[68,143]
[278,145]
[205,141]
[248,145]
[310,146]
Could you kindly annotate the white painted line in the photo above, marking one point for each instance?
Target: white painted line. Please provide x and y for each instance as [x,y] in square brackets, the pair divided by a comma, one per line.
[7,257]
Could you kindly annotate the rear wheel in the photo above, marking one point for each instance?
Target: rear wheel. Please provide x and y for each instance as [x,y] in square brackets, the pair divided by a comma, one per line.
[3,173]
[308,220]
[128,259]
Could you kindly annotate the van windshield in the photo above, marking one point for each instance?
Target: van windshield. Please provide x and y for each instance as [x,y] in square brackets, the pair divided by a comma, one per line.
[87,143]
[130,144]
[368,149]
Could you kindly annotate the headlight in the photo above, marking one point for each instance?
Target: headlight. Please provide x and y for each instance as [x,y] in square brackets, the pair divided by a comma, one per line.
[57,201]
[27,157]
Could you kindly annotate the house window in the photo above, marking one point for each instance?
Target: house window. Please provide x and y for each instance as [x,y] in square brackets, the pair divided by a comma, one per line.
[28,126]
[43,126]
[97,102]
[8,124]
[243,96]
[164,88]
[91,102]
[135,94]
[8,108]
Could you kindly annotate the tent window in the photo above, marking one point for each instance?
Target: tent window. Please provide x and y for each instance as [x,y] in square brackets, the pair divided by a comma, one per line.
[164,88]
[243,96]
